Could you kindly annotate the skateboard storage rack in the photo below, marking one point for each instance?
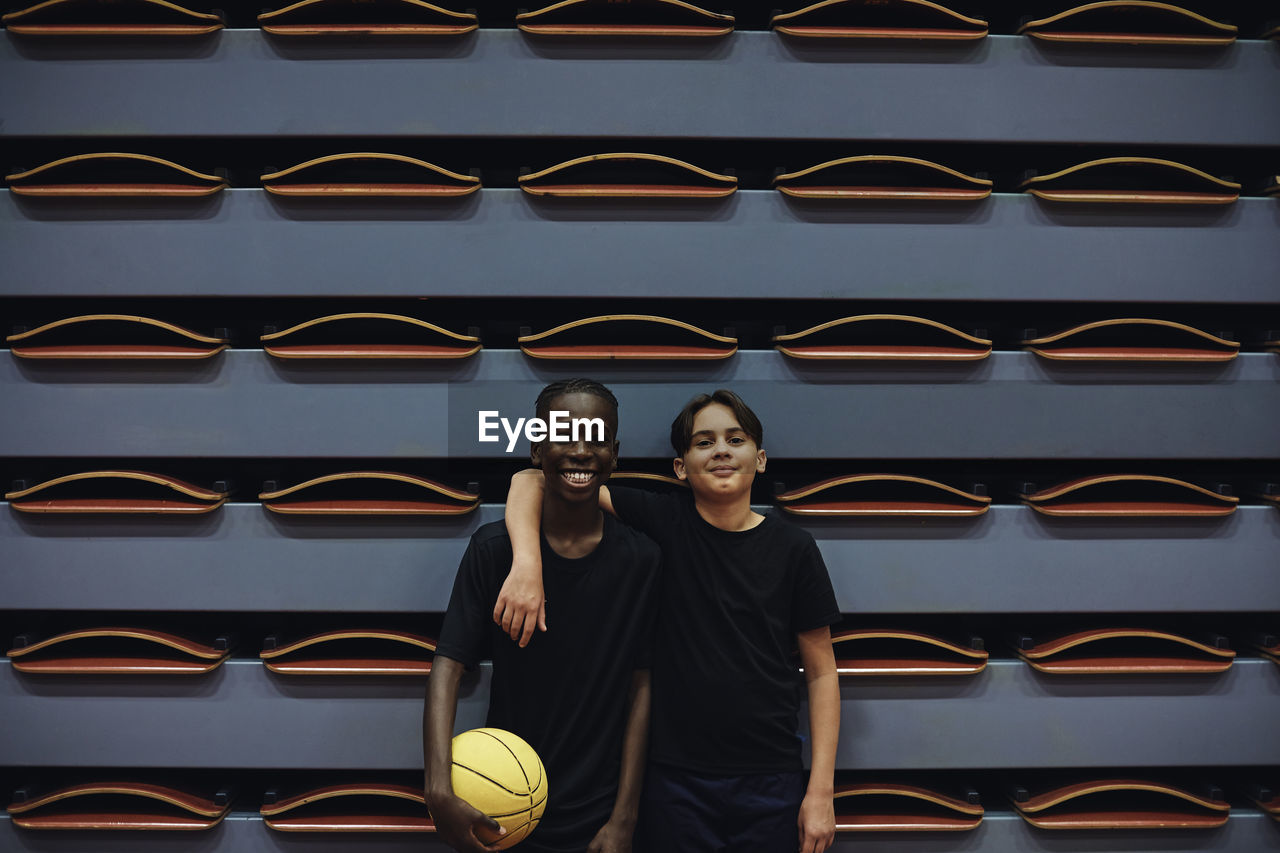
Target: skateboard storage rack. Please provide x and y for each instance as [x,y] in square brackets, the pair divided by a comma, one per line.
[1006,263]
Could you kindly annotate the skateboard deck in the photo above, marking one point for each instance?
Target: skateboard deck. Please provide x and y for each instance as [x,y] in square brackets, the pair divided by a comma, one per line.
[1269,645]
[353,652]
[883,337]
[1130,22]
[883,496]
[118,805]
[628,337]
[1124,651]
[1132,180]
[111,337]
[113,175]
[129,492]
[868,651]
[369,493]
[368,335]
[110,18]
[625,19]
[1273,186]
[645,479]
[882,177]
[367,807]
[1130,496]
[627,175]
[1267,798]
[1134,339]
[1120,804]
[892,807]
[879,19]
[116,651]
[366,174]
[347,18]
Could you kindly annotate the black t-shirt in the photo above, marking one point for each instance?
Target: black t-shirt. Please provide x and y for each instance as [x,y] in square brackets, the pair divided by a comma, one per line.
[566,692]
[726,687]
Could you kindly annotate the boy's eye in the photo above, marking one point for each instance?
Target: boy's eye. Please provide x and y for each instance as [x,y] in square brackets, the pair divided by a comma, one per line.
[737,439]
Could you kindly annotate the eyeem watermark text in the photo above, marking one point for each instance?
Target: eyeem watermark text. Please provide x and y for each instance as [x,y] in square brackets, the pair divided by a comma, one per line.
[559,428]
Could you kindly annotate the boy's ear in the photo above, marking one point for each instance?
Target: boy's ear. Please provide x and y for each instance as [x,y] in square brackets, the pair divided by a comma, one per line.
[761,461]
[535,454]
[615,456]
[678,465]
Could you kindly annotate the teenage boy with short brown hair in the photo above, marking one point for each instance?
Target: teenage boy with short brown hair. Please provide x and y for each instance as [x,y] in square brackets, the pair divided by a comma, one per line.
[739,590]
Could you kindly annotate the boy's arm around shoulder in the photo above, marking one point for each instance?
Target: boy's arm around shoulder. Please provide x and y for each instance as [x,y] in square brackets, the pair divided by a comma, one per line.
[521,605]
[817,822]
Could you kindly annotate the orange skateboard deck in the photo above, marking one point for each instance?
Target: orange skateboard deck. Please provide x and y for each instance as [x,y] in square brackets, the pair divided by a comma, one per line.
[367,807]
[114,175]
[1120,804]
[883,337]
[1124,651]
[1135,22]
[870,651]
[352,652]
[129,492]
[367,174]
[118,805]
[1130,496]
[627,175]
[625,19]
[116,651]
[369,493]
[357,18]
[882,177]
[368,335]
[892,807]
[1134,339]
[883,496]
[1132,180]
[110,18]
[628,337]
[110,337]
[879,19]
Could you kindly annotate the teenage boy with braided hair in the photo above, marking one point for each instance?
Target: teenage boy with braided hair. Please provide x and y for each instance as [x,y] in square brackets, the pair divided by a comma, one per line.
[579,696]
[739,590]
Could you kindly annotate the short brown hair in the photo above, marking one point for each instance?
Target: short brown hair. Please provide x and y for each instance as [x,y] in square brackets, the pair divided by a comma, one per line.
[682,426]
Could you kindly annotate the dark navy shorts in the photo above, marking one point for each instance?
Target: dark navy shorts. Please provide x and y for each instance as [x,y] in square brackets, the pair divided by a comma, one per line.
[683,812]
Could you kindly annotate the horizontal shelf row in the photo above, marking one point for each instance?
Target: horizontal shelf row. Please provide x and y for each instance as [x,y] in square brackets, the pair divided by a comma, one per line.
[240,715]
[505,243]
[1008,406]
[753,85]
[1010,560]
[1000,832]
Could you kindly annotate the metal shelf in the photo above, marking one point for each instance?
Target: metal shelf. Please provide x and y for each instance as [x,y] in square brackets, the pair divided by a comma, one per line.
[505,243]
[751,85]
[1011,406]
[244,559]
[1007,716]
[1000,832]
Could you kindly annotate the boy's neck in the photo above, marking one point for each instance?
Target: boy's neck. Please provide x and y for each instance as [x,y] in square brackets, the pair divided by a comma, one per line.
[733,515]
[572,530]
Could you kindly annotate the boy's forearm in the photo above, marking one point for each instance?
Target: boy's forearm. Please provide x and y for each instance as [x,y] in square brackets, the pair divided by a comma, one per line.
[437,725]
[824,732]
[524,518]
[635,743]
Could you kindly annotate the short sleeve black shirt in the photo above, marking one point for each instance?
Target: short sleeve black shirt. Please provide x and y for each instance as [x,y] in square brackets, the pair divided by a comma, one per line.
[726,687]
[566,692]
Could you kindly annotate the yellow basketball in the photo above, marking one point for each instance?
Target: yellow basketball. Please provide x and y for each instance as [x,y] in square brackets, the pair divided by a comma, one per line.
[499,774]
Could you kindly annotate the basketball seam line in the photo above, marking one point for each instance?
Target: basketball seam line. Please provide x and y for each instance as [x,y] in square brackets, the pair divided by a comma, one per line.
[494,781]
[519,764]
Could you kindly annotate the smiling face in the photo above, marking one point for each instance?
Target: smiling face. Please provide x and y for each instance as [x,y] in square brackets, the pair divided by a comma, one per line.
[722,460]
[575,470]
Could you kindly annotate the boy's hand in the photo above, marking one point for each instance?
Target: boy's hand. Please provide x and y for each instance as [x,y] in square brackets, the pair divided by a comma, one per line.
[612,838]
[457,821]
[817,823]
[521,606]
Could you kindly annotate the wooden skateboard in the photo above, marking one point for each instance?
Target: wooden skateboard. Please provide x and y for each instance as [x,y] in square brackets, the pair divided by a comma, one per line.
[628,337]
[882,496]
[97,806]
[128,492]
[626,19]
[1120,804]
[369,493]
[370,807]
[365,174]
[358,652]
[1130,496]
[627,175]
[882,177]
[110,18]
[891,807]
[368,335]
[116,651]
[645,479]
[365,18]
[113,336]
[867,651]
[883,337]
[1124,651]
[1132,180]
[1273,184]
[1130,22]
[1134,339]
[114,175]
[1267,798]
[879,19]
